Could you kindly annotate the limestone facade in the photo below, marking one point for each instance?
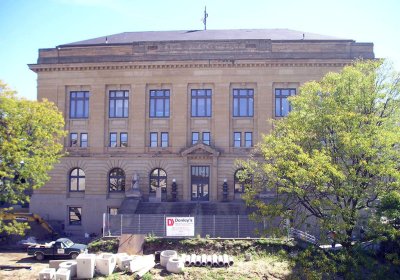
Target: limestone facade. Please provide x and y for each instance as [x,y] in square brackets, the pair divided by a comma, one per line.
[258,66]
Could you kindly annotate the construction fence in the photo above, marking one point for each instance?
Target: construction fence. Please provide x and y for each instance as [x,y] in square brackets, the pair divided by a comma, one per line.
[214,226]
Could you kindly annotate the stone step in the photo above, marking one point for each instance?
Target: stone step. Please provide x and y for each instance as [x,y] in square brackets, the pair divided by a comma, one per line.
[129,205]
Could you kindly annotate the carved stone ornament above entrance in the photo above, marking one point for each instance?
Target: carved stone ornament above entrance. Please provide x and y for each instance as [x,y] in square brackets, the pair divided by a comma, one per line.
[200,150]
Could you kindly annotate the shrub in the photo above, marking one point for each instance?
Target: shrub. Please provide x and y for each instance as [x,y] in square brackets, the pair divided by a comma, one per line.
[104,245]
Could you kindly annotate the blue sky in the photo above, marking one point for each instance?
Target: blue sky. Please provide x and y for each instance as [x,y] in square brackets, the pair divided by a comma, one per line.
[27,25]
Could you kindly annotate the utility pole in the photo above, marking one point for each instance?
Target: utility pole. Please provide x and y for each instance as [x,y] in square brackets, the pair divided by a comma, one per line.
[205,18]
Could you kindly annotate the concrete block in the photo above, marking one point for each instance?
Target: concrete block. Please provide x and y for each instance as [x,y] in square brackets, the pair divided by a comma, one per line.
[123,262]
[140,262]
[56,263]
[85,266]
[47,273]
[63,274]
[120,256]
[105,263]
[71,266]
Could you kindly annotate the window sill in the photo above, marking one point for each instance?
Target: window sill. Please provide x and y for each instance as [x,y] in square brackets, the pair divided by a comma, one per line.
[76,194]
[242,148]
[77,148]
[117,149]
[116,194]
[159,149]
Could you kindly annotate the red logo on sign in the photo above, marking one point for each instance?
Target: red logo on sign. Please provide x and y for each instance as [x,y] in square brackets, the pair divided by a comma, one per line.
[170,222]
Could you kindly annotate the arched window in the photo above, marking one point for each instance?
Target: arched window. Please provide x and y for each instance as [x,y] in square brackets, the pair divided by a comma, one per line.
[116,180]
[77,180]
[241,182]
[158,179]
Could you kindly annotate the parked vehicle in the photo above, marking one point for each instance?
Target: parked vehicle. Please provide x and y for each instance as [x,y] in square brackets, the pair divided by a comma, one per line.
[63,247]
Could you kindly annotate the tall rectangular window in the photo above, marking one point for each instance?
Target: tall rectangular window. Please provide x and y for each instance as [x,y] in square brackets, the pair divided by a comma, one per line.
[153,139]
[282,105]
[73,139]
[201,102]
[237,139]
[206,138]
[248,139]
[195,138]
[159,103]
[243,102]
[113,139]
[123,139]
[75,215]
[118,104]
[79,105]
[84,140]
[164,139]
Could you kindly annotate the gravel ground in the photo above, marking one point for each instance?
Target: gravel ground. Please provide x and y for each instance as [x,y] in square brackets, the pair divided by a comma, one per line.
[20,258]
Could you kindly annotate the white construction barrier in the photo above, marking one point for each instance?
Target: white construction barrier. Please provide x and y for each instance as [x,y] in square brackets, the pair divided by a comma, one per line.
[105,263]
[148,265]
[166,255]
[71,266]
[140,262]
[85,265]
[119,256]
[47,273]
[63,274]
[123,262]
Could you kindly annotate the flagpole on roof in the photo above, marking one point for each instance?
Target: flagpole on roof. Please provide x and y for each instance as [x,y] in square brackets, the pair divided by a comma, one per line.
[205,18]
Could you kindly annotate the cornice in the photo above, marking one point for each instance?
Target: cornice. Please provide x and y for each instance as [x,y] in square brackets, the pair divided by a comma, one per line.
[192,65]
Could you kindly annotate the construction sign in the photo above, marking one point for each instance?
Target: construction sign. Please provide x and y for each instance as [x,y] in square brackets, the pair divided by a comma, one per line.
[179,226]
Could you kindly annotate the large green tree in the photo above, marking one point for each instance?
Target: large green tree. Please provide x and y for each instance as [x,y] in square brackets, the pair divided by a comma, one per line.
[30,134]
[335,154]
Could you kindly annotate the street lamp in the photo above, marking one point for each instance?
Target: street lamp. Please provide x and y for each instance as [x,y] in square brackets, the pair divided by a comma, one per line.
[225,190]
[174,191]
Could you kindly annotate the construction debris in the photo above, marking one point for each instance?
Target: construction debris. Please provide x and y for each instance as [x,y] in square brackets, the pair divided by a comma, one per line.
[12,267]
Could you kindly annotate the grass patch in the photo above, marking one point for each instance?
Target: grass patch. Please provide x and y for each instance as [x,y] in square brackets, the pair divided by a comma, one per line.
[103,244]
[270,259]
[235,247]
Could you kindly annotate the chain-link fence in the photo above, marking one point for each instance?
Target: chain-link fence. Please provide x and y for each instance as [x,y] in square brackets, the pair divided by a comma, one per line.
[223,226]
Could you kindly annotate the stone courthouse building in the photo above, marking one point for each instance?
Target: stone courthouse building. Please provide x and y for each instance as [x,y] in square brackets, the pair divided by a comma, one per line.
[159,118]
